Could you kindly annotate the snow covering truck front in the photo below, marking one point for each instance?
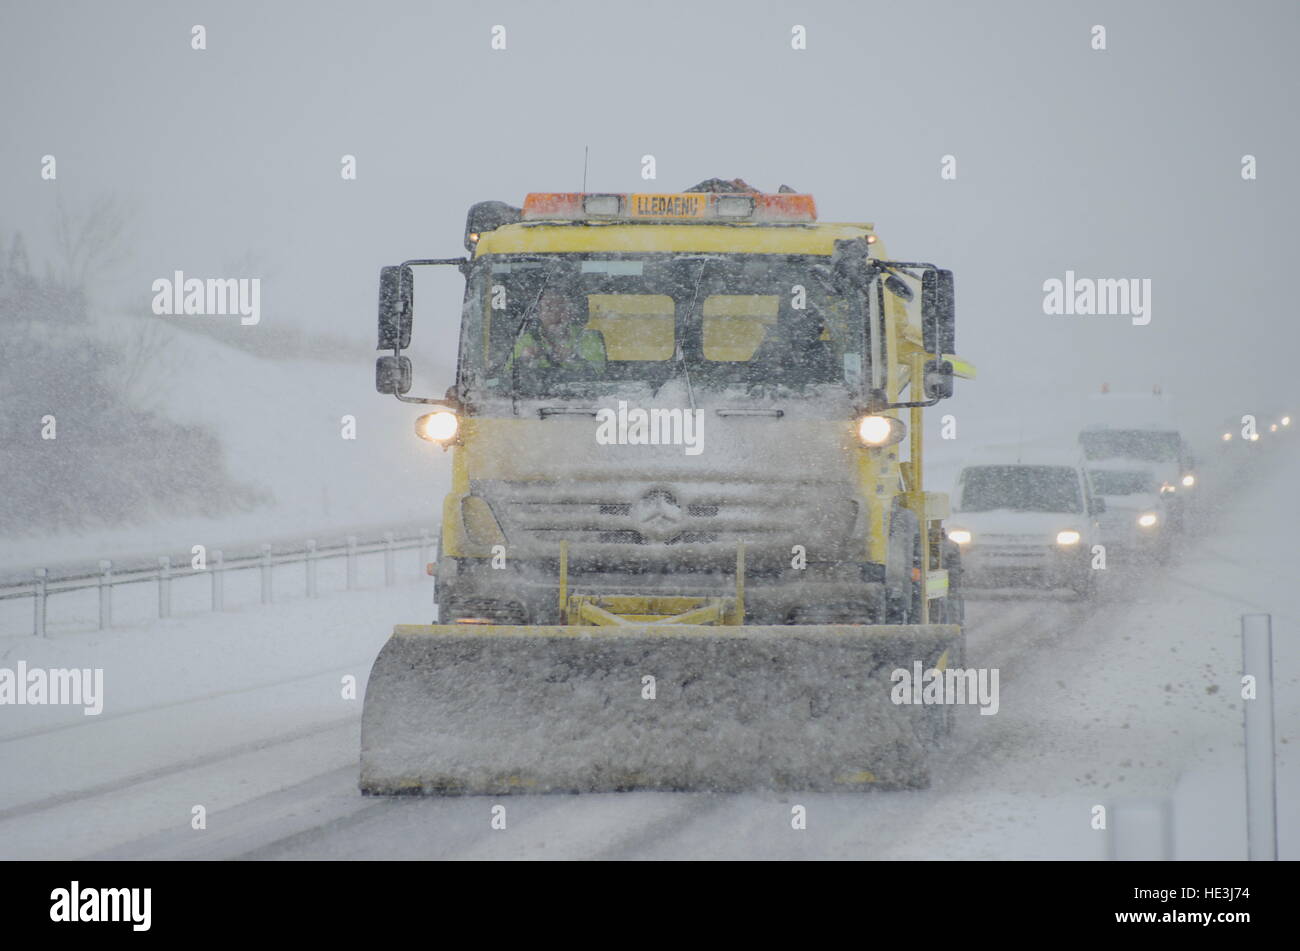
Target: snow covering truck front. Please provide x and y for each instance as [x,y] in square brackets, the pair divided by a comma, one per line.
[687,543]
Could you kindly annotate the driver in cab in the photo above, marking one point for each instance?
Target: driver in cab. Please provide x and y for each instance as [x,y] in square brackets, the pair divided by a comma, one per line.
[560,337]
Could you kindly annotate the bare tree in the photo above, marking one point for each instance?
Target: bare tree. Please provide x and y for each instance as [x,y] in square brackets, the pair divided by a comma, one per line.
[90,243]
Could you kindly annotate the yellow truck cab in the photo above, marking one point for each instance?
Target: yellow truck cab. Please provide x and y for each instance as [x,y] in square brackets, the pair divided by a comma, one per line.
[754,360]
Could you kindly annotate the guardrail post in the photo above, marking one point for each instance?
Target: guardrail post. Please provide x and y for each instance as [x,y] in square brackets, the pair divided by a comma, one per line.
[1261,768]
[266,574]
[352,562]
[218,570]
[105,594]
[424,549]
[40,594]
[390,569]
[164,587]
[311,567]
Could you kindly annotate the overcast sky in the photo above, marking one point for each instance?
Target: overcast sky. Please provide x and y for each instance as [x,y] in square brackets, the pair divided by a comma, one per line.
[1122,163]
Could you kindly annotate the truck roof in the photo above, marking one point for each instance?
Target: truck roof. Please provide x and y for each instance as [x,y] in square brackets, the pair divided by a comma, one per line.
[576,237]
[1131,411]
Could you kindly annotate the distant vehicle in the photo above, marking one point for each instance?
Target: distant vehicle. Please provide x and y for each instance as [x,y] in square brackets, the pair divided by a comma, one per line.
[1030,520]
[1136,519]
[1139,428]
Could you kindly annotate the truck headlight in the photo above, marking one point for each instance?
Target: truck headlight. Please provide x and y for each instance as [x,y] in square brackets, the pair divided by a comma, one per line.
[877,431]
[1147,519]
[1067,537]
[441,426]
[960,535]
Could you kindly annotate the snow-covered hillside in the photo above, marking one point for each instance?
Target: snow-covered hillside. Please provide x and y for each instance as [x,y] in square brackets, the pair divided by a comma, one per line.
[281,424]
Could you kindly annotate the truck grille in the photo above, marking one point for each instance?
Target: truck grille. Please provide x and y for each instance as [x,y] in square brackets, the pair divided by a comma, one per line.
[670,516]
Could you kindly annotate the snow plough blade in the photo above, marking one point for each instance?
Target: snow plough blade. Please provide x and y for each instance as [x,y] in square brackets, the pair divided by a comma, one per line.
[479,709]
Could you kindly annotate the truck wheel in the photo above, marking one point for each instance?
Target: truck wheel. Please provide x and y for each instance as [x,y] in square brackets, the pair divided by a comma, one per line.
[902,594]
[953,611]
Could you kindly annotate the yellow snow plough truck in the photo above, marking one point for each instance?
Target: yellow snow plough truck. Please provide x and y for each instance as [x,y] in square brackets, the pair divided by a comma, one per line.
[687,544]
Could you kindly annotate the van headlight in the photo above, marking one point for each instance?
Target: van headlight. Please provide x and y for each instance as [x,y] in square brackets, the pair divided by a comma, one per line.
[1068,537]
[441,426]
[1147,519]
[876,431]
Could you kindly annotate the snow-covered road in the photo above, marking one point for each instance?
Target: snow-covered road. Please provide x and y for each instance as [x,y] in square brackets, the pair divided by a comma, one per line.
[1132,697]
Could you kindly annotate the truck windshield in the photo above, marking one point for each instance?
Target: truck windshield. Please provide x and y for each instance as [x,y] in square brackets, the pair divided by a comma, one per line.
[588,325]
[1147,445]
[1020,488]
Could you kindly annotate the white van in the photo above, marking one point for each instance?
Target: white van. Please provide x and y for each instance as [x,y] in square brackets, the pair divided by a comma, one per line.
[1137,520]
[1027,518]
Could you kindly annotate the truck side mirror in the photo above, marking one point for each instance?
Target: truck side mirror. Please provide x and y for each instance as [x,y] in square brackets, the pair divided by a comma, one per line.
[896,286]
[938,379]
[396,293]
[393,374]
[938,312]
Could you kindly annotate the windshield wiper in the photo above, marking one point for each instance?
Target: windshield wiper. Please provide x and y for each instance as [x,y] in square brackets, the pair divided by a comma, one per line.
[679,354]
[524,323]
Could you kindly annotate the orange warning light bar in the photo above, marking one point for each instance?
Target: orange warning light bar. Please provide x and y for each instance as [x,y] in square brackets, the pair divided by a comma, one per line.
[680,206]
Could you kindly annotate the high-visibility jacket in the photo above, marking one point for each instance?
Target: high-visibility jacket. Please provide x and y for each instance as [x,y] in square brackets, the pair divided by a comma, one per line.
[589,346]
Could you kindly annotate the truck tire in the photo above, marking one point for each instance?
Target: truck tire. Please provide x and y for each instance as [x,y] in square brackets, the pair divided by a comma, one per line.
[902,594]
[951,609]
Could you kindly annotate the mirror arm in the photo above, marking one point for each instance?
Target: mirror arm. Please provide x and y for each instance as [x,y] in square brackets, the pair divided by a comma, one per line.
[457,405]
[459,262]
[886,264]
[920,404]
[453,404]
[461,265]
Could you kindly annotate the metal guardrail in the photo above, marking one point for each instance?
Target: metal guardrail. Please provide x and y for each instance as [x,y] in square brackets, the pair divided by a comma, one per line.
[42,587]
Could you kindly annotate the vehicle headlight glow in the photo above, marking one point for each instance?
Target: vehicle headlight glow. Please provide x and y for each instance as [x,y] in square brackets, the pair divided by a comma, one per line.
[441,426]
[1147,519]
[960,535]
[1227,437]
[1067,537]
[1286,420]
[880,430]
[1189,480]
[1168,488]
